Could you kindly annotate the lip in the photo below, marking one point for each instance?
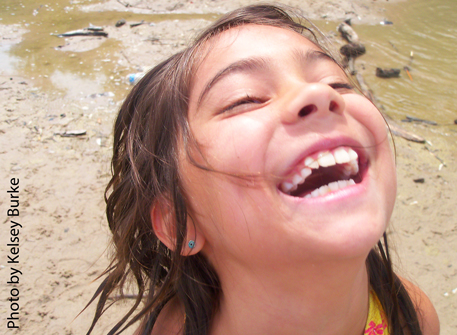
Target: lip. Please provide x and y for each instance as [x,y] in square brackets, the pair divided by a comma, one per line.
[356,190]
[329,144]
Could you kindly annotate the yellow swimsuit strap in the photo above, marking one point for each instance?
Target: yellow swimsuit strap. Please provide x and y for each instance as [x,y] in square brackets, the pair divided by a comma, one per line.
[376,322]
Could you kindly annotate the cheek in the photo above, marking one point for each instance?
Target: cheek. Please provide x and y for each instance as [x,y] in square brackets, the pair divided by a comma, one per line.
[363,111]
[234,145]
[390,174]
[371,121]
[222,207]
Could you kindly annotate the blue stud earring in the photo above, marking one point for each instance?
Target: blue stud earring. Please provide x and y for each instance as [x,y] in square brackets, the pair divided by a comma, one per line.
[191,244]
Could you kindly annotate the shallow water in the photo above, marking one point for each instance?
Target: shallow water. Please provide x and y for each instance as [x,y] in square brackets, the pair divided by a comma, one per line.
[425,28]
[428,29]
[38,57]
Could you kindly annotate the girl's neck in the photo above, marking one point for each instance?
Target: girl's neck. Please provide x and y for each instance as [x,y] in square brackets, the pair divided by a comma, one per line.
[324,299]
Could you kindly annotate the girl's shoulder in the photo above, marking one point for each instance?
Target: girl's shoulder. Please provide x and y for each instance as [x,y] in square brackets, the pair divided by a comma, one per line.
[428,318]
[171,319]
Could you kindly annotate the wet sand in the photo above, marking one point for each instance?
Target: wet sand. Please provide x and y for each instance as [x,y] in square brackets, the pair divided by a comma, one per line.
[63,242]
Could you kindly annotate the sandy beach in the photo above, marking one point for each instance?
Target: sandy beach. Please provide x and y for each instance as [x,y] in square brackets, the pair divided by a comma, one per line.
[56,147]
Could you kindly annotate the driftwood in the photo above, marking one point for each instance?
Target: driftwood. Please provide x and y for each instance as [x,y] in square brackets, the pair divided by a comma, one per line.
[416,119]
[136,24]
[84,32]
[123,3]
[120,23]
[387,73]
[399,131]
[72,133]
[352,50]
[348,33]
[351,36]
[94,28]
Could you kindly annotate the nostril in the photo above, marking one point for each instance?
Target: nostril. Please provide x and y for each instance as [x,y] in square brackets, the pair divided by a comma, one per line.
[333,106]
[307,110]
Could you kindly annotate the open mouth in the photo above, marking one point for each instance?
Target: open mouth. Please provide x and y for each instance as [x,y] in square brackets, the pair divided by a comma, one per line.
[322,173]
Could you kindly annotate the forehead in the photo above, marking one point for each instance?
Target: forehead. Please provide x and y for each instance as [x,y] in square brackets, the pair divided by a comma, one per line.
[250,42]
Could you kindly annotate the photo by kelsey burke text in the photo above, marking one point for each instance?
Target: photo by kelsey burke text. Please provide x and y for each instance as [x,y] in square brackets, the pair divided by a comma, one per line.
[12,258]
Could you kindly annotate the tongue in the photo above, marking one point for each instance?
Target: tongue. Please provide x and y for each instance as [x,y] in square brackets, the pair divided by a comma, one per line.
[320,177]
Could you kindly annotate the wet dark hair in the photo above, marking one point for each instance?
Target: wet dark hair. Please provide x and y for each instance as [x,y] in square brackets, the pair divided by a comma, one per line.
[150,130]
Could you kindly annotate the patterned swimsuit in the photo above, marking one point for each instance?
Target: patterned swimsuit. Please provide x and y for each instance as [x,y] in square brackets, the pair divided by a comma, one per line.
[376,322]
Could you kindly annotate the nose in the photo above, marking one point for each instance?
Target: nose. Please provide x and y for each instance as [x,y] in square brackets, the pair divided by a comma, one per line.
[312,98]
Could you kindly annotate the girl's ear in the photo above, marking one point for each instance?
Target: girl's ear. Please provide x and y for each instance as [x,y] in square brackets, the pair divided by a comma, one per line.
[163,224]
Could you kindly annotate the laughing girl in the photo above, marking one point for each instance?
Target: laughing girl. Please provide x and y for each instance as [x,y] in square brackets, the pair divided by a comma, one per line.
[252,188]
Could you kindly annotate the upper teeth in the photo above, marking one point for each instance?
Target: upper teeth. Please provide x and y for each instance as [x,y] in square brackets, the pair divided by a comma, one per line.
[341,155]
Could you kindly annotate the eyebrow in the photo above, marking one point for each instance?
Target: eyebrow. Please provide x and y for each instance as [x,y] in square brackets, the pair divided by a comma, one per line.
[260,63]
[244,65]
[311,55]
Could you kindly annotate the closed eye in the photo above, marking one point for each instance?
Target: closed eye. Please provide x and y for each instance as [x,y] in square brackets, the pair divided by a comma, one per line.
[244,101]
[339,86]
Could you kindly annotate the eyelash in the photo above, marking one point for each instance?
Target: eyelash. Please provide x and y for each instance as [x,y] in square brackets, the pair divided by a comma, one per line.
[337,86]
[248,99]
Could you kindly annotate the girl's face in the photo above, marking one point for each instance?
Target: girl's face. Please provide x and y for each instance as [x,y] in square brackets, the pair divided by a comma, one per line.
[267,102]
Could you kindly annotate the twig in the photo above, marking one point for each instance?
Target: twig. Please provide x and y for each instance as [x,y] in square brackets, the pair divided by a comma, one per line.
[125,296]
[123,3]
[123,54]
[393,46]
[407,71]
[434,155]
[416,119]
[136,24]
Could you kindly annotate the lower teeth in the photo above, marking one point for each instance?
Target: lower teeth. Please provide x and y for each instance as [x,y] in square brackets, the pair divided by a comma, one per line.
[334,186]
